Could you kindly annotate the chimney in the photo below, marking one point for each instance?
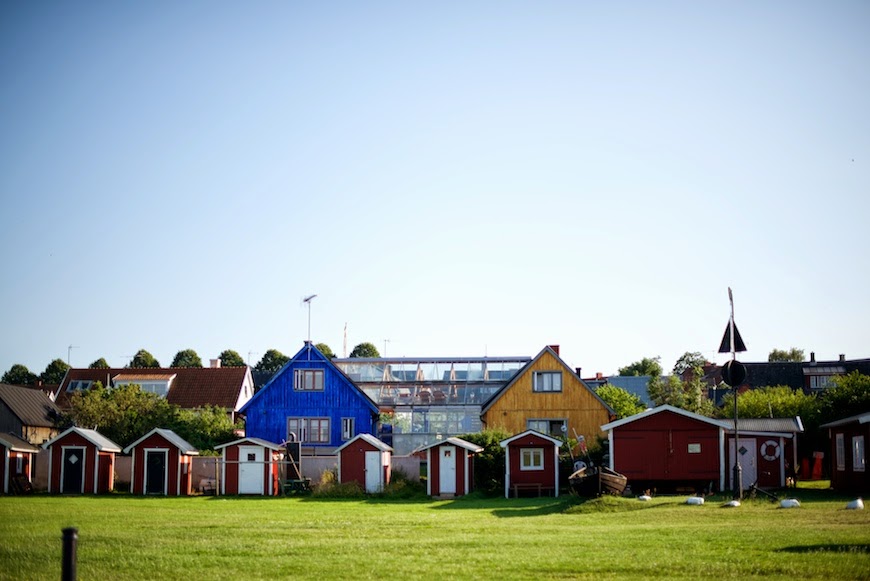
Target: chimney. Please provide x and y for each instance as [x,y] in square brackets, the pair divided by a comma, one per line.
[842,357]
[599,375]
[554,348]
[577,371]
[215,363]
[812,356]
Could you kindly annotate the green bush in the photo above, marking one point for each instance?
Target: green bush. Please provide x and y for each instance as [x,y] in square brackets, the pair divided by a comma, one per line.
[489,464]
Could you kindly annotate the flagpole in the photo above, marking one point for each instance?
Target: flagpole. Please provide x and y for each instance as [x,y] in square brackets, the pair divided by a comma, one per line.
[738,470]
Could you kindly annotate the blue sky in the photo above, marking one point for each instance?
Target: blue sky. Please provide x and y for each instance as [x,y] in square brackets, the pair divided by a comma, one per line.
[458,178]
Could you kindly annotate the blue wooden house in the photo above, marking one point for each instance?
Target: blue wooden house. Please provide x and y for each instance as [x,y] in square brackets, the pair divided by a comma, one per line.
[312,401]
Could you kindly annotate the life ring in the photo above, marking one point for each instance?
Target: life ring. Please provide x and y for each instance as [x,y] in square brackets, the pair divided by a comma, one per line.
[770,450]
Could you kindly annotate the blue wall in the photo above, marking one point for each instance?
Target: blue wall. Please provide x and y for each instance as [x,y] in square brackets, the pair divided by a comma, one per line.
[267,412]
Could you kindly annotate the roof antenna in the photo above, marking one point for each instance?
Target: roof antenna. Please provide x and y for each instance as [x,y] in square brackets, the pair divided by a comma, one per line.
[307,300]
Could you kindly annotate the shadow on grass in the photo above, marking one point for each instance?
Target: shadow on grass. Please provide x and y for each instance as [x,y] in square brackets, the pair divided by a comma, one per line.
[832,548]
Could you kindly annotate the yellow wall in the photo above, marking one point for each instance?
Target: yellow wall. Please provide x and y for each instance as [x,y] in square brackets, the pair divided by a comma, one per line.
[584,412]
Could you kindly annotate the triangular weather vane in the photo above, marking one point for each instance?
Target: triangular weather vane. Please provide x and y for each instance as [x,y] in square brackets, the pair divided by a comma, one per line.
[731,341]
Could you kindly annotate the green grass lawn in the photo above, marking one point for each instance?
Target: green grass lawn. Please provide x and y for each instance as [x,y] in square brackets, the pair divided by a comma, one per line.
[124,537]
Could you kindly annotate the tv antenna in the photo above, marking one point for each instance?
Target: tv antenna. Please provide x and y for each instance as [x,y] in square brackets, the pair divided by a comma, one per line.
[68,351]
[307,300]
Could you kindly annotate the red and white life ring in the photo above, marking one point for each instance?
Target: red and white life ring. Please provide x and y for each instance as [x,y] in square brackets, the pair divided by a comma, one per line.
[770,450]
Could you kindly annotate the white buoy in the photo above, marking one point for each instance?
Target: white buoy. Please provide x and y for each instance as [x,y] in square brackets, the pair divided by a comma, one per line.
[790,503]
[695,500]
[732,504]
[856,504]
[646,498]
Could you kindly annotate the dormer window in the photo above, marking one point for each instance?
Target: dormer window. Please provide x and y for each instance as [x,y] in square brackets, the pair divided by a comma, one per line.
[157,383]
[308,380]
[79,385]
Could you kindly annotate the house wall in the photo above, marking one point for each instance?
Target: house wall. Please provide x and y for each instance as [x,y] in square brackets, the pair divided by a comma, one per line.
[576,403]
[546,477]
[266,416]
[56,462]
[352,463]
[656,448]
[9,422]
[771,473]
[174,463]
[434,478]
[38,435]
[849,480]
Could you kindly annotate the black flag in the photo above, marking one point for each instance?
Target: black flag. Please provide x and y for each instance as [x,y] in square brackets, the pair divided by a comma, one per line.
[725,347]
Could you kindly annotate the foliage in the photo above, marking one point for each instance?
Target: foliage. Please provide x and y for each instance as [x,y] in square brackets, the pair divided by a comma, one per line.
[123,414]
[100,363]
[689,361]
[793,354]
[329,487]
[850,395]
[230,358]
[54,372]
[646,366]
[272,361]
[402,486]
[186,358]
[325,349]
[778,401]
[489,464]
[204,428]
[689,395]
[365,350]
[18,374]
[143,359]
[623,402]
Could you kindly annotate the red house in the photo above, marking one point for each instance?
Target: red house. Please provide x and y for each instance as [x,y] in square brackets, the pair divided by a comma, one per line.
[366,461]
[668,446]
[768,451]
[81,461]
[848,453]
[162,463]
[250,466]
[16,459]
[451,467]
[531,463]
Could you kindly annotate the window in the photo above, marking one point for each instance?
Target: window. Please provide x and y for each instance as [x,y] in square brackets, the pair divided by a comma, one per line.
[820,381]
[19,464]
[556,428]
[841,453]
[79,385]
[308,380]
[547,381]
[347,431]
[314,430]
[858,453]
[532,459]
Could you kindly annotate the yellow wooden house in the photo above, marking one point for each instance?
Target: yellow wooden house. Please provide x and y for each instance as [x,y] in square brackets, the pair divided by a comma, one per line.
[547,396]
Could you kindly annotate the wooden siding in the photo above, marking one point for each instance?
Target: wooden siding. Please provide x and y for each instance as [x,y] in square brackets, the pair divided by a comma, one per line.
[266,415]
[575,403]
[178,482]
[849,480]
[231,470]
[9,459]
[105,471]
[352,463]
[546,477]
[464,462]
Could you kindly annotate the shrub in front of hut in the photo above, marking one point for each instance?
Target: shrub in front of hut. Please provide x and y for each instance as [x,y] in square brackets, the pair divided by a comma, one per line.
[489,464]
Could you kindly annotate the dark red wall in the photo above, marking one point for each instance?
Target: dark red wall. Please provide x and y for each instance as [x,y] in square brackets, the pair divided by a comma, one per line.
[545,477]
[231,469]
[848,480]
[352,460]
[105,474]
[173,465]
[435,470]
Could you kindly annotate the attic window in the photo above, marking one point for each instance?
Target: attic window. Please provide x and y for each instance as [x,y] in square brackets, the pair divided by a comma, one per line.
[308,380]
[79,385]
[547,381]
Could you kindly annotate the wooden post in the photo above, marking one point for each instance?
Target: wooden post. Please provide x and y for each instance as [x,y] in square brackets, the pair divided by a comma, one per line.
[70,540]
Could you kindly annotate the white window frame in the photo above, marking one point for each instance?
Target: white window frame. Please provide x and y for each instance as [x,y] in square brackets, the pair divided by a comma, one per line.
[347,428]
[841,452]
[543,381]
[304,431]
[301,376]
[858,457]
[531,459]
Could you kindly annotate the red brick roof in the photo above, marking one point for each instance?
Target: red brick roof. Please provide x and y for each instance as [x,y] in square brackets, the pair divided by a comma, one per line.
[192,387]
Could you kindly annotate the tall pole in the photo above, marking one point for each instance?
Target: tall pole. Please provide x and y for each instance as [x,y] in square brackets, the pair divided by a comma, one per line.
[68,351]
[308,300]
[738,472]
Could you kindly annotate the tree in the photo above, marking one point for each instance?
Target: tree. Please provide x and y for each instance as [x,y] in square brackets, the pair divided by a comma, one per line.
[18,374]
[623,402]
[230,358]
[205,427]
[689,360]
[365,350]
[793,354]
[646,366]
[186,358]
[143,359]
[778,401]
[689,395]
[850,395]
[272,361]
[326,350]
[54,372]
[100,363]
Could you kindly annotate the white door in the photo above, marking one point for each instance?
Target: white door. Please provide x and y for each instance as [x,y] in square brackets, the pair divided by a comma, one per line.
[748,462]
[251,467]
[447,470]
[373,471]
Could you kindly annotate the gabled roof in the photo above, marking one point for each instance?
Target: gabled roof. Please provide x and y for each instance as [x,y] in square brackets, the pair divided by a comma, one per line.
[780,425]
[665,408]
[17,444]
[366,438]
[190,387]
[102,443]
[183,445]
[857,419]
[312,353]
[556,441]
[31,406]
[474,448]
[516,377]
[255,441]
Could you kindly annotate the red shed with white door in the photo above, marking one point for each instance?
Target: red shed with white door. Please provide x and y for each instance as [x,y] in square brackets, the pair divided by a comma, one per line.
[16,460]
[250,466]
[81,461]
[450,467]
[531,464]
[162,463]
[366,461]
[768,451]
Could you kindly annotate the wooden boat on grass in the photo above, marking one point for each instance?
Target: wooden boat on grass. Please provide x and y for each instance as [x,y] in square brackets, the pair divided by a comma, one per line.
[597,480]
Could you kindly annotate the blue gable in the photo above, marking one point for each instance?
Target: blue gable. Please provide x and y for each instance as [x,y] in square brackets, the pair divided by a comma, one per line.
[267,413]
